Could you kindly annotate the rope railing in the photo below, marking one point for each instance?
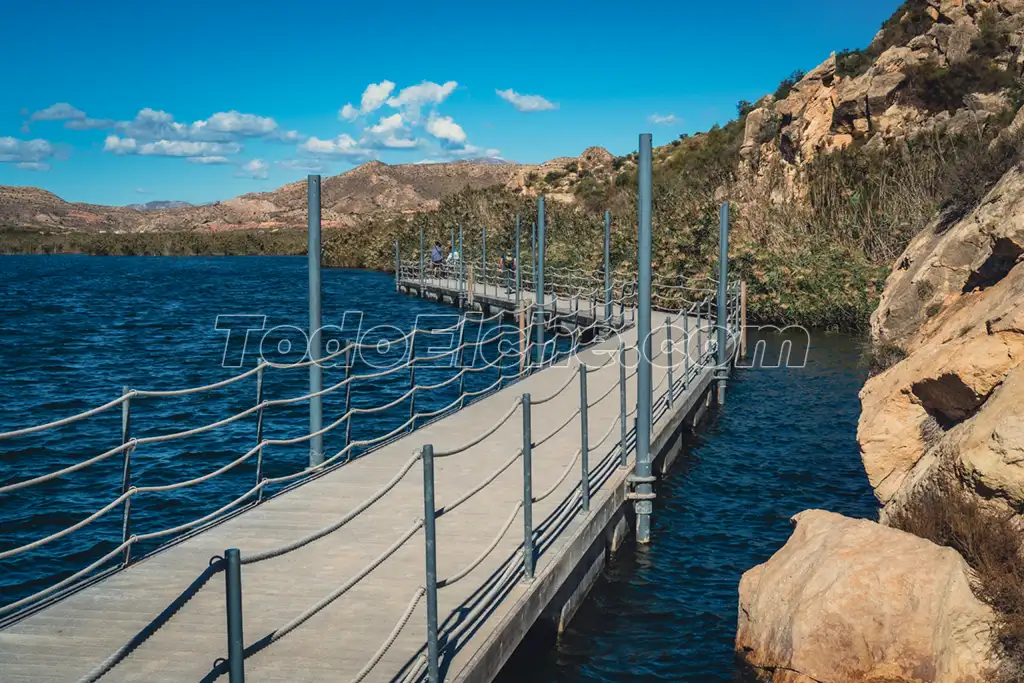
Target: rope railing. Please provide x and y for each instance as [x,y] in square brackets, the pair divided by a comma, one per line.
[523,557]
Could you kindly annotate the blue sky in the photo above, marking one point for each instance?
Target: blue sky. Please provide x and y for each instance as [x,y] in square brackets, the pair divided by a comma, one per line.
[120,102]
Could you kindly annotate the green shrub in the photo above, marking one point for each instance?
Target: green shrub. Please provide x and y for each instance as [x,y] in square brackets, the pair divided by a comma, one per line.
[786,86]
[853,63]
[937,89]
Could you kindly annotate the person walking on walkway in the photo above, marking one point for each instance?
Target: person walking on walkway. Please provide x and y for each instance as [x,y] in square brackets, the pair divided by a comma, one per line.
[436,258]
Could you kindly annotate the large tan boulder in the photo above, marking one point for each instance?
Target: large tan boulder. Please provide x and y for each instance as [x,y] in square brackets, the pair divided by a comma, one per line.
[852,601]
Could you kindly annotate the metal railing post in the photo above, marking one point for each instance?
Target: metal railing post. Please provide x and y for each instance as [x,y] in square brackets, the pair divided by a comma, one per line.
[412,380]
[233,604]
[316,376]
[462,272]
[700,333]
[643,504]
[668,350]
[528,552]
[515,263]
[607,266]
[259,432]
[430,533]
[622,404]
[483,263]
[539,312]
[460,357]
[421,261]
[126,472]
[584,442]
[398,267]
[686,350]
[721,316]
[348,395]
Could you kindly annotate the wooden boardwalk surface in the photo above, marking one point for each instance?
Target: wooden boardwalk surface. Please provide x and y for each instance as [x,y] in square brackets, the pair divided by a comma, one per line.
[68,639]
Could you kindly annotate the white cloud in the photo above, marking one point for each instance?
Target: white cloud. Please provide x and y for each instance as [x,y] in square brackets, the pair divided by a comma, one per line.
[186,148]
[141,190]
[73,118]
[119,145]
[152,125]
[526,103]
[659,120]
[255,169]
[348,113]
[343,146]
[61,111]
[235,122]
[375,95]
[445,128]
[169,148]
[28,154]
[207,160]
[307,165]
[90,124]
[390,133]
[410,100]
[388,124]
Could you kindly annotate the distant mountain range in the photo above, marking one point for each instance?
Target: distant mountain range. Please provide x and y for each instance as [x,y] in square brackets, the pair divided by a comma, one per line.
[158,205]
[375,188]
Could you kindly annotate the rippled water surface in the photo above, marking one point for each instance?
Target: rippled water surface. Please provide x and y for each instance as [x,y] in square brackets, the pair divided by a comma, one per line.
[75,329]
[784,442]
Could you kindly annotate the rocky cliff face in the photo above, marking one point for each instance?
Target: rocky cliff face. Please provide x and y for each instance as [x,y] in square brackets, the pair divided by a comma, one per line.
[943,416]
[938,66]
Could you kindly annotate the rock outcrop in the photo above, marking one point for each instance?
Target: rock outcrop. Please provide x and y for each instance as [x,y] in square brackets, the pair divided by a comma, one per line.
[852,600]
[955,306]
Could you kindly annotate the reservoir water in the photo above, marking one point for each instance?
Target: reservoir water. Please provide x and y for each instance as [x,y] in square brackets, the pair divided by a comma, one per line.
[75,329]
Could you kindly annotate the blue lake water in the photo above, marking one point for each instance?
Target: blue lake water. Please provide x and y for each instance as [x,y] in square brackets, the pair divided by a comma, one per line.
[75,329]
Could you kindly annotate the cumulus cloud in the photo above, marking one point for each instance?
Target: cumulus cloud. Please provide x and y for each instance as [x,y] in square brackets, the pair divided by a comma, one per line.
[73,118]
[410,100]
[374,97]
[30,155]
[61,111]
[306,165]
[207,160]
[659,120]
[342,146]
[526,103]
[237,123]
[119,145]
[255,169]
[391,133]
[348,113]
[444,128]
[170,148]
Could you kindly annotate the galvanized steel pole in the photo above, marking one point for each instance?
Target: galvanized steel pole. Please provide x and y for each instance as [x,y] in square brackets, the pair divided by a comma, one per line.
[430,533]
[668,350]
[398,266]
[126,473]
[584,442]
[233,600]
[516,263]
[642,471]
[483,264]
[622,404]
[421,261]
[528,552]
[539,312]
[607,267]
[462,272]
[721,316]
[316,376]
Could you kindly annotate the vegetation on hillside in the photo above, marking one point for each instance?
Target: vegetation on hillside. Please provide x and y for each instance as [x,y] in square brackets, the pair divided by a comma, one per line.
[178,243]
